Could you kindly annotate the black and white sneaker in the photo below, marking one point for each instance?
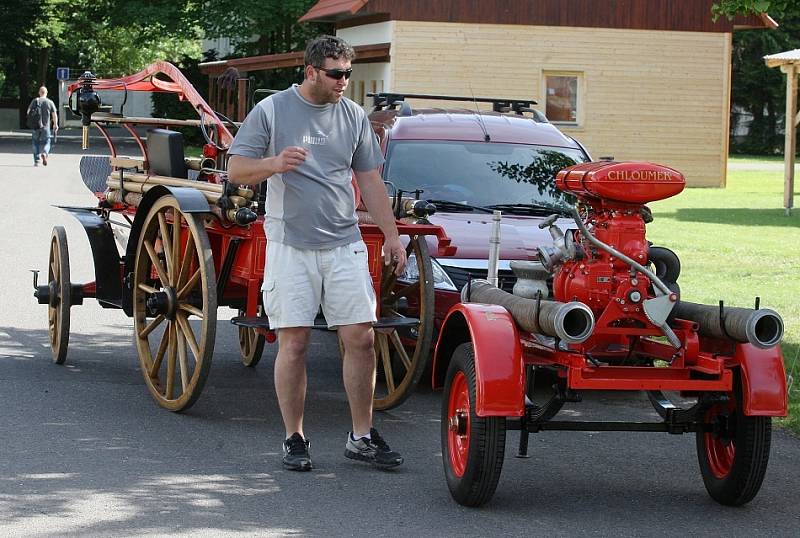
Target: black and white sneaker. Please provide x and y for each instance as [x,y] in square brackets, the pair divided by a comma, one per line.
[373,450]
[295,453]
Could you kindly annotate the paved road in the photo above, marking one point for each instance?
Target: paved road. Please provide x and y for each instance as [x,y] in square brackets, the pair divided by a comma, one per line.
[85,452]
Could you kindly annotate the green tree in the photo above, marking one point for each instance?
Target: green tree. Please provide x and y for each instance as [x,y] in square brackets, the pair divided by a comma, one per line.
[258,27]
[759,89]
[110,37]
[730,8]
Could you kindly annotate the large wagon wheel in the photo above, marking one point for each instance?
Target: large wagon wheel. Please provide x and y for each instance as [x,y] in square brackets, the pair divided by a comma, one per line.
[733,450]
[251,344]
[60,300]
[402,353]
[473,447]
[174,304]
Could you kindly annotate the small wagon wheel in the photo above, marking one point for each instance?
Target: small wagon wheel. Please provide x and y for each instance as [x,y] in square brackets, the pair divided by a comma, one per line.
[402,353]
[733,449]
[60,300]
[473,447]
[251,345]
[174,304]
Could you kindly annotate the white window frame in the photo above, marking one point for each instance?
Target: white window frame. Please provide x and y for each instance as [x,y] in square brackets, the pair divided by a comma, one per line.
[579,101]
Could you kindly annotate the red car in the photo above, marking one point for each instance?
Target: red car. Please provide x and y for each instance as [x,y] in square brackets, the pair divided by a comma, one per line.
[469,163]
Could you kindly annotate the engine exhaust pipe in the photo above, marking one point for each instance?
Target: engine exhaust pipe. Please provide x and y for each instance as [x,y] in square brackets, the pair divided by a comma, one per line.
[571,322]
[763,327]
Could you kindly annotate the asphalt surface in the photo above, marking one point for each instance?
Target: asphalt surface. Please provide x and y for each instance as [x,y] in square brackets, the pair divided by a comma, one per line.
[84,451]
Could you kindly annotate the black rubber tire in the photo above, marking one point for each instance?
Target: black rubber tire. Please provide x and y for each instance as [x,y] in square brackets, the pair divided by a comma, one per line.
[750,439]
[486,439]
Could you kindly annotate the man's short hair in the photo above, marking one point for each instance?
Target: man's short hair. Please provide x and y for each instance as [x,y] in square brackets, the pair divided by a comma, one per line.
[42,91]
[327,46]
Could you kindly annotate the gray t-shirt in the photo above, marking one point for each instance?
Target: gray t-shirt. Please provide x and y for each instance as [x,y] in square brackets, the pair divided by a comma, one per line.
[312,206]
[46,109]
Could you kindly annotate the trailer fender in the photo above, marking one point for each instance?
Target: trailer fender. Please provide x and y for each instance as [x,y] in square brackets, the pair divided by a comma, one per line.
[499,383]
[189,200]
[763,380]
[104,255]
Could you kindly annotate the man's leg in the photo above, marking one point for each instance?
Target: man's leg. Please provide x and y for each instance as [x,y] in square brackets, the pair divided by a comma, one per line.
[45,142]
[364,443]
[35,142]
[290,376]
[358,371]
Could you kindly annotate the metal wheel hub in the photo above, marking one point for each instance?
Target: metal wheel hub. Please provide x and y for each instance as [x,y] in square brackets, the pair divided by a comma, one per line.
[458,422]
[164,302]
[722,428]
[53,297]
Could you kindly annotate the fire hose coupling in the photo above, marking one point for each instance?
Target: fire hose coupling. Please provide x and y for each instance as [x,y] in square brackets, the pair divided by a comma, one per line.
[571,322]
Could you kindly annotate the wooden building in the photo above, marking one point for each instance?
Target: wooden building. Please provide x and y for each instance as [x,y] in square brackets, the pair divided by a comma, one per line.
[632,79]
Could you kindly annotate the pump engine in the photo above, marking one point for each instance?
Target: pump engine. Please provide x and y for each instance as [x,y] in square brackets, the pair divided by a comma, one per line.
[603,263]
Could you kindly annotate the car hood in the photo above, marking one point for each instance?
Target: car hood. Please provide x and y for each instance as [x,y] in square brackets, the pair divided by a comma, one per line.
[519,235]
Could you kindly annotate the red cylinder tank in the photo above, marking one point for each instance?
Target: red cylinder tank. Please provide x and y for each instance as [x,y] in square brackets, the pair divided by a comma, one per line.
[627,182]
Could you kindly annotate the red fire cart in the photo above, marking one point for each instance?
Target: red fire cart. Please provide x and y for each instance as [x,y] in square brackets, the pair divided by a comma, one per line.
[607,316]
[191,242]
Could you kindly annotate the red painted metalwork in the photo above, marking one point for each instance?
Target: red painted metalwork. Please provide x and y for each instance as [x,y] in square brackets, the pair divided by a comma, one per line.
[763,380]
[611,195]
[629,182]
[499,383]
[458,405]
[147,81]
[719,452]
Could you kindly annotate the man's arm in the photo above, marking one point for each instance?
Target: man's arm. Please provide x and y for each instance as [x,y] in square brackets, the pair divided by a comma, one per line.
[247,171]
[54,117]
[377,201]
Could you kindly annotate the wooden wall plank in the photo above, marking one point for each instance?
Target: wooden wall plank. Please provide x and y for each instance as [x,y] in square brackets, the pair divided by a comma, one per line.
[678,15]
[649,95]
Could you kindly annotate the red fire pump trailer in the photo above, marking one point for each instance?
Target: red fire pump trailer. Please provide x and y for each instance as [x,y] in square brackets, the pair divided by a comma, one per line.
[613,321]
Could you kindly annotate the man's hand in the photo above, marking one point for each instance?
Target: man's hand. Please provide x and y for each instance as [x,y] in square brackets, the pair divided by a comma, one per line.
[394,253]
[289,159]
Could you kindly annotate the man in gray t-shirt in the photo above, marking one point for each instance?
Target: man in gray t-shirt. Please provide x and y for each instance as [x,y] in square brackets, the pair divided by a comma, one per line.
[41,134]
[307,142]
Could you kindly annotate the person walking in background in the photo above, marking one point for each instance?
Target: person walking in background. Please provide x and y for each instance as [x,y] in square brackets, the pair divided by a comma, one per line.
[41,114]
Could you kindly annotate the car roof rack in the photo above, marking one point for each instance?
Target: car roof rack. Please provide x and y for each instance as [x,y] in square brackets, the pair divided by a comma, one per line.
[388,100]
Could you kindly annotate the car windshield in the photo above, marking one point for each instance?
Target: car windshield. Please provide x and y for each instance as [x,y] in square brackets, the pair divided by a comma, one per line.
[481,174]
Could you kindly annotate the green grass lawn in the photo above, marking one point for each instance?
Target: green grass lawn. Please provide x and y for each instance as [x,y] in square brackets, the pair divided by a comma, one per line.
[735,244]
[756,159]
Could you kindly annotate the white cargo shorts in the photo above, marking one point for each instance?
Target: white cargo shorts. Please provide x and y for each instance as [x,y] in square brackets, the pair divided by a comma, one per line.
[298,281]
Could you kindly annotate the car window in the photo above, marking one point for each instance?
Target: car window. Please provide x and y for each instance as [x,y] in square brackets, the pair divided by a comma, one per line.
[480,173]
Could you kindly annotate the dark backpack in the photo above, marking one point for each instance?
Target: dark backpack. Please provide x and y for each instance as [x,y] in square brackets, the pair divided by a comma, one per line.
[34,115]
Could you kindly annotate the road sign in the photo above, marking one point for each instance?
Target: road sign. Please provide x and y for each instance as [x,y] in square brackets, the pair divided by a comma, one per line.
[62,73]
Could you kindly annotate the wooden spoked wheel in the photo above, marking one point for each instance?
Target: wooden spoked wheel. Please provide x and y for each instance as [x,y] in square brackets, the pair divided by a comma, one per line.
[402,353]
[251,345]
[60,300]
[174,304]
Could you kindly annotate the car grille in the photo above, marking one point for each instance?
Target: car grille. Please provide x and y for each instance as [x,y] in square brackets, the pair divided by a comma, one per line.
[460,276]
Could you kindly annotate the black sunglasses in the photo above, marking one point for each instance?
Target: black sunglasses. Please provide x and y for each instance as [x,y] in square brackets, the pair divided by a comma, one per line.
[337,74]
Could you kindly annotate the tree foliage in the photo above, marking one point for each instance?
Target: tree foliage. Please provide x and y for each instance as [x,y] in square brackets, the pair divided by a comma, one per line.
[730,8]
[761,90]
[110,37]
[258,27]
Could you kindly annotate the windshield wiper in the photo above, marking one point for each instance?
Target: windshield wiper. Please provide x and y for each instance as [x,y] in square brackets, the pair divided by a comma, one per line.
[530,209]
[447,205]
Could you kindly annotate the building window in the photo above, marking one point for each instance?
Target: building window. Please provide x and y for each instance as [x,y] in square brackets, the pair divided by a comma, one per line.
[563,97]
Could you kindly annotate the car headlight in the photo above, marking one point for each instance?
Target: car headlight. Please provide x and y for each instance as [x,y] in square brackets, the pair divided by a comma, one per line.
[441,280]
